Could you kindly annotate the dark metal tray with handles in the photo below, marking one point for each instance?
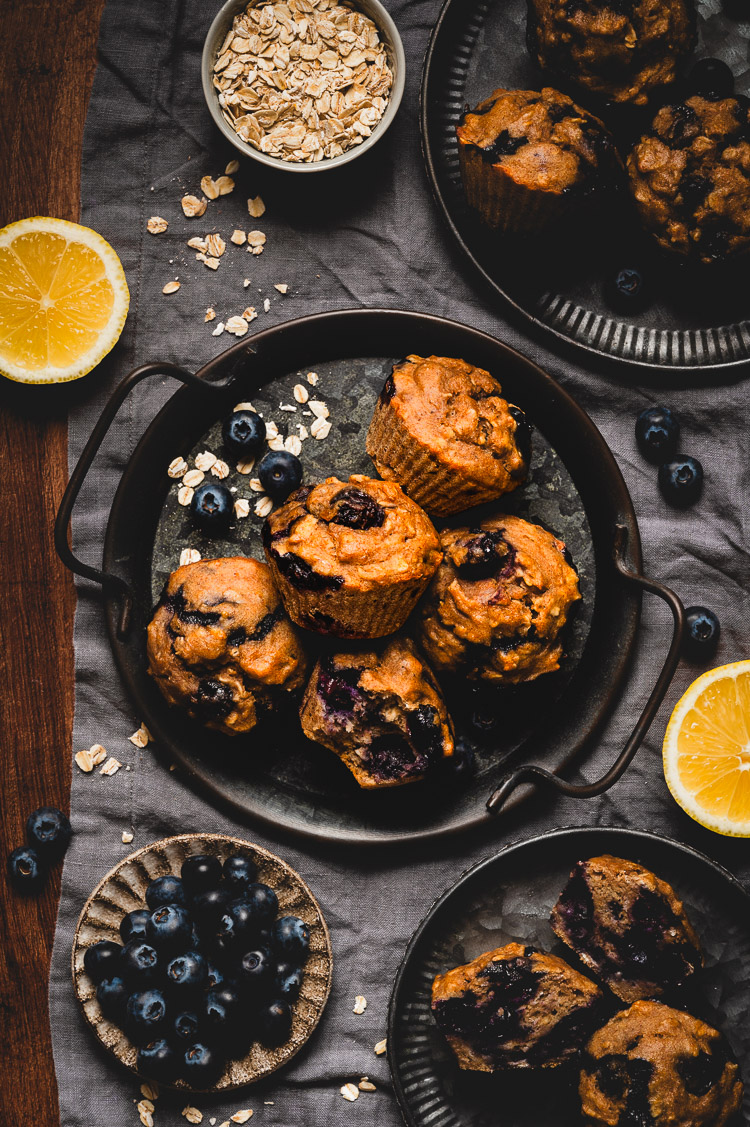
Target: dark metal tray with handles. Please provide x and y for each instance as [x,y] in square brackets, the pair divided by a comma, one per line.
[697,317]
[575,488]
[508,898]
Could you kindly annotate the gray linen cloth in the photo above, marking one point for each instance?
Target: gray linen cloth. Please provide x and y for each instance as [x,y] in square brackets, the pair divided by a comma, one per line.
[370,237]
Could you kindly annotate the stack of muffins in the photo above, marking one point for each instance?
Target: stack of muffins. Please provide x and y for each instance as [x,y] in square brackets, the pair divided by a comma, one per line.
[361,561]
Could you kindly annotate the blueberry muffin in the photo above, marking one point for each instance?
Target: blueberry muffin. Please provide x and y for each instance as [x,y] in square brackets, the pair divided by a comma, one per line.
[351,558]
[381,711]
[499,602]
[652,1066]
[515,1007]
[621,50]
[690,178]
[628,927]
[527,157]
[220,645]
[443,431]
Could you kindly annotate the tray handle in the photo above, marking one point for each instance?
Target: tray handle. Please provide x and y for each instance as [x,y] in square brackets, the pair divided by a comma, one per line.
[90,450]
[532,773]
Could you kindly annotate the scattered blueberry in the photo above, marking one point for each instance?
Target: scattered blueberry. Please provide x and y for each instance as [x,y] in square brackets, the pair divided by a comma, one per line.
[24,868]
[288,981]
[702,634]
[133,926]
[200,872]
[209,907]
[170,928]
[681,481]
[291,938]
[139,963]
[280,473]
[244,433]
[262,900]
[211,507]
[712,79]
[255,973]
[657,433]
[238,873]
[274,1023]
[49,832]
[146,1016]
[186,972]
[158,1061]
[186,1027]
[626,290]
[112,996]
[201,1066]
[102,960]
[165,890]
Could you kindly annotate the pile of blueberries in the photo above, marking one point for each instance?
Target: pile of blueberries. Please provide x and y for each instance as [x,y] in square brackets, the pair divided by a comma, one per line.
[205,971]
[657,432]
[280,473]
[48,832]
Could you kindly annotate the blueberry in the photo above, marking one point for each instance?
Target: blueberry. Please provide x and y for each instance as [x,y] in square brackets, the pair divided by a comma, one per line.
[139,963]
[25,869]
[165,890]
[291,937]
[221,1013]
[255,973]
[288,981]
[158,1061]
[133,926]
[681,481]
[657,433]
[211,507]
[274,1023]
[247,920]
[712,79]
[239,873]
[214,975]
[626,290]
[202,1067]
[146,1016]
[200,872]
[702,634]
[170,928]
[244,433]
[280,474]
[112,996]
[49,832]
[208,908]
[187,972]
[263,901]
[102,960]
[185,1027]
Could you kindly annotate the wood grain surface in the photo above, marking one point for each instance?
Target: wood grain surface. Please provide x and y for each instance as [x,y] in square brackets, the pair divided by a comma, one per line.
[47,64]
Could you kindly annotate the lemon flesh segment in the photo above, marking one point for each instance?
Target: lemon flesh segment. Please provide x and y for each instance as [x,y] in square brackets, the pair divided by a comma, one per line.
[63,300]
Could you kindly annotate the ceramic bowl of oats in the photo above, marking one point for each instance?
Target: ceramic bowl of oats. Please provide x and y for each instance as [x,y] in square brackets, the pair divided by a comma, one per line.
[303,85]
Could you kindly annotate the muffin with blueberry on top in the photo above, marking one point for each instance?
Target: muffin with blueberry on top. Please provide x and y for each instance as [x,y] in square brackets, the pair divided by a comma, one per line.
[381,711]
[443,431]
[527,157]
[690,178]
[220,644]
[351,558]
[498,605]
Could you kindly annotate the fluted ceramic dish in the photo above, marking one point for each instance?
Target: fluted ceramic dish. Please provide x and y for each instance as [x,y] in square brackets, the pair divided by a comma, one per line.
[123,889]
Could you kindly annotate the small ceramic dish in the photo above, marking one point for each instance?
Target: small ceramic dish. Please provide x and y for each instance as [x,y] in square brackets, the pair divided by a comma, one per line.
[396,59]
[123,889]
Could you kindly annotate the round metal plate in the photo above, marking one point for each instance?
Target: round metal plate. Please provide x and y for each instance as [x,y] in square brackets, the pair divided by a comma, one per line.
[698,318]
[123,890]
[575,488]
[508,898]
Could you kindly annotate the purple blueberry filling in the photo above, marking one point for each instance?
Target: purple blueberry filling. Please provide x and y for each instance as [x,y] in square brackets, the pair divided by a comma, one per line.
[390,757]
[523,432]
[389,390]
[683,128]
[358,510]
[503,146]
[484,554]
[425,730]
[576,908]
[485,1020]
[177,604]
[338,689]
[301,575]
[239,635]
[213,700]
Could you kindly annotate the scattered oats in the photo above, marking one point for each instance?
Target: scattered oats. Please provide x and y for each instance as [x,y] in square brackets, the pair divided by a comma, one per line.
[189,556]
[225,184]
[263,506]
[193,207]
[250,313]
[269,1103]
[256,207]
[185,495]
[301,394]
[238,237]
[381,1047]
[231,168]
[146,1114]
[236,325]
[255,485]
[272,430]
[257,249]
[241,1116]
[266,304]
[276,443]
[156,225]
[293,444]
[192,1114]
[220,469]
[218,330]
[210,188]
[360,1004]
[127,837]
[141,737]
[318,408]
[210,314]
[215,245]
[246,283]
[211,263]
[197,243]
[150,1090]
[193,478]
[320,429]
[85,760]
[98,754]
[111,767]
[287,407]
[212,1120]
[282,287]
[171,287]
[366,1085]
[303,431]
[205,460]
[312,378]
[256,239]
[177,467]
[350,1092]
[242,508]
[244,467]
[200,256]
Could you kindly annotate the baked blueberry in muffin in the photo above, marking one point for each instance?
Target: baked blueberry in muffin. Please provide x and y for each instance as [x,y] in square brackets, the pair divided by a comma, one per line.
[498,605]
[621,50]
[529,156]
[690,178]
[627,926]
[351,558]
[652,1066]
[220,645]
[381,711]
[443,431]
[515,1007]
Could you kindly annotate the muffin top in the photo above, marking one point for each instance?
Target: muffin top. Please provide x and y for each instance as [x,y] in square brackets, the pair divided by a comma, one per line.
[620,49]
[363,534]
[652,1064]
[457,412]
[541,140]
[690,177]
